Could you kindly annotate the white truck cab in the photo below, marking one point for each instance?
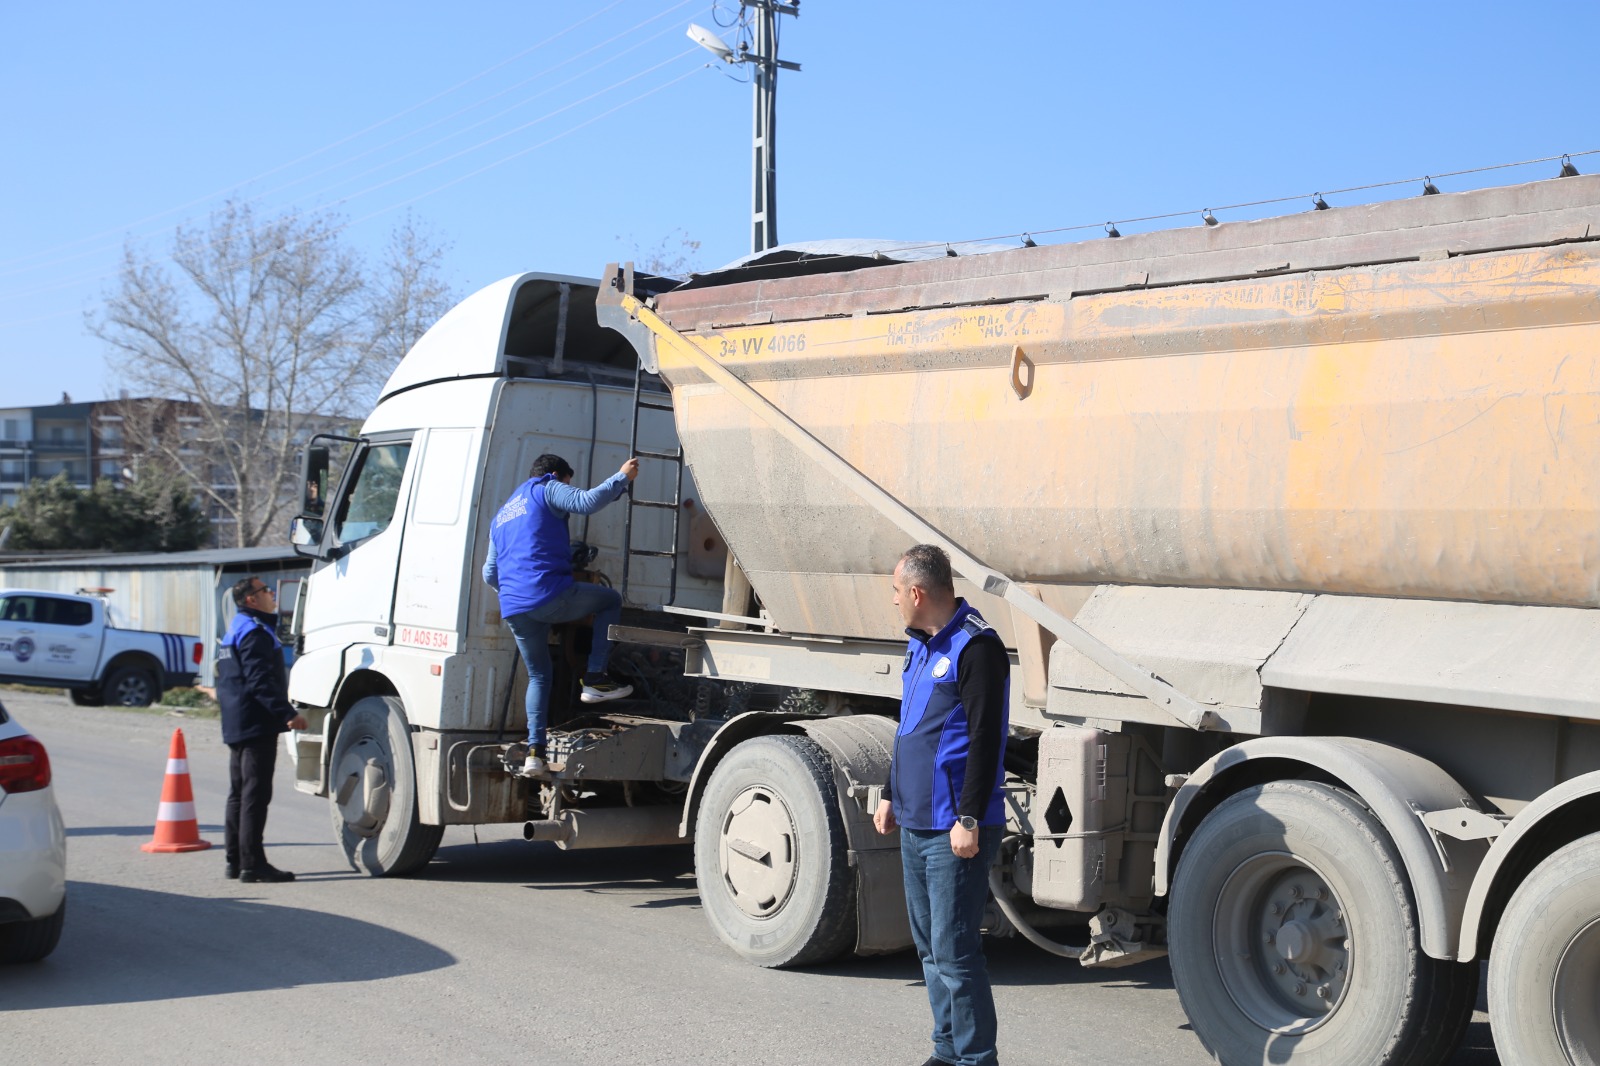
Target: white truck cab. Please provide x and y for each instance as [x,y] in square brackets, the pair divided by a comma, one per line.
[402,666]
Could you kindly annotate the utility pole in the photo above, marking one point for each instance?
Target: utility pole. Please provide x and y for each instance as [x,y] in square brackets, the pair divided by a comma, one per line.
[762,53]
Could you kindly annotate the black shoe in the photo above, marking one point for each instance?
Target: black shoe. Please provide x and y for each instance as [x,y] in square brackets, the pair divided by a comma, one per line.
[268,874]
[231,871]
[934,1060]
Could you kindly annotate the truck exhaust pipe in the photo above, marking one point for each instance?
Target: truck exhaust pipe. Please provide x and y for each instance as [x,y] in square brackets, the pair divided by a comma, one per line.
[608,827]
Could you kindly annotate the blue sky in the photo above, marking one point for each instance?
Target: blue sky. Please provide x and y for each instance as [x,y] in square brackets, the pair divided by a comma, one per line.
[555,136]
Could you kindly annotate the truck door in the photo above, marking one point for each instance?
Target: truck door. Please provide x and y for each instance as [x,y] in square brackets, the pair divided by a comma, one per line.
[48,636]
[350,600]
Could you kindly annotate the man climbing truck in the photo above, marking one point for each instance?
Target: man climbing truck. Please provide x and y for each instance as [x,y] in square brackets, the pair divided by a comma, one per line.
[1290,528]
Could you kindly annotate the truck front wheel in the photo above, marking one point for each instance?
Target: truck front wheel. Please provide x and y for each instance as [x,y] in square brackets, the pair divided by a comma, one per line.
[1544,969]
[373,784]
[1294,936]
[770,854]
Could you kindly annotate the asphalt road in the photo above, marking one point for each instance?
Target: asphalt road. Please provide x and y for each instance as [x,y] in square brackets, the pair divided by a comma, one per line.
[500,952]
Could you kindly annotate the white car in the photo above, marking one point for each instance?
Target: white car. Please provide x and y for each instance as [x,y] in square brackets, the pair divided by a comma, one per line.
[33,849]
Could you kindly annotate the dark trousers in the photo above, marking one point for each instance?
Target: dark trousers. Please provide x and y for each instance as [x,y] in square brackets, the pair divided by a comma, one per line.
[250,767]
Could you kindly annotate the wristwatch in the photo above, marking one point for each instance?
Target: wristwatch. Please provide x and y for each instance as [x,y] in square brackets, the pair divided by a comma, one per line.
[967,822]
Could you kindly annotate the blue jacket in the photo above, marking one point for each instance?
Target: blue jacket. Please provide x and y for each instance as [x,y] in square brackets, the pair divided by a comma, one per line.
[530,551]
[949,750]
[252,684]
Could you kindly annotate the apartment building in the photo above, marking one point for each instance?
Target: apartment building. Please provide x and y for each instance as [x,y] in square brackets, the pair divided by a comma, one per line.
[89,441]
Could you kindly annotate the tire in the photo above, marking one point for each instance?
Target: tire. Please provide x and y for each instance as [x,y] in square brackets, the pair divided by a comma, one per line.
[1544,968]
[1294,937]
[130,686]
[85,697]
[770,855]
[372,784]
[31,941]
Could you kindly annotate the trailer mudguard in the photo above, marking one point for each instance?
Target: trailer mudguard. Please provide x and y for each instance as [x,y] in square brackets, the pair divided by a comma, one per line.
[735,731]
[1507,856]
[861,746]
[1398,786]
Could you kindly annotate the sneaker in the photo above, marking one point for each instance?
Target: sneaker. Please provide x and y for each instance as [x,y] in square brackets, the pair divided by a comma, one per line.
[534,766]
[602,689]
[268,874]
[231,871]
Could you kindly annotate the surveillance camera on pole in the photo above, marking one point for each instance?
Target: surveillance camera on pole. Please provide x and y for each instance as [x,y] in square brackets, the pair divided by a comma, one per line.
[764,217]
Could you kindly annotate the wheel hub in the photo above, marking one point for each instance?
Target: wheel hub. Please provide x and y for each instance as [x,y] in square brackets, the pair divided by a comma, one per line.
[757,852]
[1573,997]
[362,787]
[1283,951]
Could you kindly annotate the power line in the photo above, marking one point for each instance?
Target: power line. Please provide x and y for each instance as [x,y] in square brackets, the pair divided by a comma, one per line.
[332,145]
[698,67]
[99,275]
[541,144]
[1201,211]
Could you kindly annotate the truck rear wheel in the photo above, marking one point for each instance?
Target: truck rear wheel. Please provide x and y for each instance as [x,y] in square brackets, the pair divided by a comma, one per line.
[770,854]
[1293,935]
[372,783]
[130,686]
[1544,970]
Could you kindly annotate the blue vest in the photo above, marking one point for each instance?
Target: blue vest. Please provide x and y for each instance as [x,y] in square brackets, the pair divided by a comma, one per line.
[930,746]
[244,716]
[533,552]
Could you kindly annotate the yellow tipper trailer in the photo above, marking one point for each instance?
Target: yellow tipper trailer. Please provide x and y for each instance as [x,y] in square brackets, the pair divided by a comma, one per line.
[1294,528]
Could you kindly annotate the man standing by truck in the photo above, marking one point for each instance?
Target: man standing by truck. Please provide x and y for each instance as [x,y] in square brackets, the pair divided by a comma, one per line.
[253,691]
[944,794]
[530,566]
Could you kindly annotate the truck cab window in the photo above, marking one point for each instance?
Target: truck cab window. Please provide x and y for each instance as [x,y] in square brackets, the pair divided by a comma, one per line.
[369,506]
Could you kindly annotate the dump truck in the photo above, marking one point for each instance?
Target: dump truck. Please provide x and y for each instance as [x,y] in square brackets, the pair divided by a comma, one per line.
[1290,527]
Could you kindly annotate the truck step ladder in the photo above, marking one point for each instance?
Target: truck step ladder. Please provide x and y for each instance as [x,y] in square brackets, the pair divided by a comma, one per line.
[649,401]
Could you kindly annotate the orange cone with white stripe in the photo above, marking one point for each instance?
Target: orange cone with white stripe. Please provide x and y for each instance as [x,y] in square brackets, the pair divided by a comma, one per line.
[177,829]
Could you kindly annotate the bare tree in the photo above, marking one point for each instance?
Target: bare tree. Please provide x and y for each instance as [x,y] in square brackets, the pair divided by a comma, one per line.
[269,332]
[674,255]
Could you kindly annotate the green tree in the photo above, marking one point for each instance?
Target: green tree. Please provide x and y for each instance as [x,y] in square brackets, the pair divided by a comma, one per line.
[157,513]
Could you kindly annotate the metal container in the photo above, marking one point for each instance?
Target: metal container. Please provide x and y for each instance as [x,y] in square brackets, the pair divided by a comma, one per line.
[1395,400]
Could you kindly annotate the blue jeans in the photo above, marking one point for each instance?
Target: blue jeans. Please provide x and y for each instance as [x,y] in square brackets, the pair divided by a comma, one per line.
[532,632]
[944,899]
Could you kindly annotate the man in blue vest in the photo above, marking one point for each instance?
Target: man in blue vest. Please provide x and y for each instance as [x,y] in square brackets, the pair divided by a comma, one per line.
[530,566]
[253,692]
[945,796]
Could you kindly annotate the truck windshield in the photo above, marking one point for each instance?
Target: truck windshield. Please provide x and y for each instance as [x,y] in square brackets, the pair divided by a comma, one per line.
[369,507]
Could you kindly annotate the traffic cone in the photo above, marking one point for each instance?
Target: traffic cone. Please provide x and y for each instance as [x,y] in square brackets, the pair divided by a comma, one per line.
[176,827]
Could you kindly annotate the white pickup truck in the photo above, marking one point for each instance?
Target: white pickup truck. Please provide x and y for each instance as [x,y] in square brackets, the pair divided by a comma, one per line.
[52,638]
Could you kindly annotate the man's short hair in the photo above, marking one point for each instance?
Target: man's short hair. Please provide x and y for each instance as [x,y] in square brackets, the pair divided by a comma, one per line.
[926,566]
[550,464]
[243,588]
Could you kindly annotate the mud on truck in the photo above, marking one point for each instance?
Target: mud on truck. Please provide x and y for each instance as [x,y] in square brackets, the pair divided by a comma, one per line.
[1290,526]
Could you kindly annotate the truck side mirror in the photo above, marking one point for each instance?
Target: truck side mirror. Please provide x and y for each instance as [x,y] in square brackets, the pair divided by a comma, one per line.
[314,482]
[305,534]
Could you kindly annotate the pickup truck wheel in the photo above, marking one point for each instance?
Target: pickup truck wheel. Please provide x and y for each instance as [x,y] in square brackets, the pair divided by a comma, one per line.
[130,686]
[373,784]
[770,855]
[30,941]
[1544,969]
[1293,935]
